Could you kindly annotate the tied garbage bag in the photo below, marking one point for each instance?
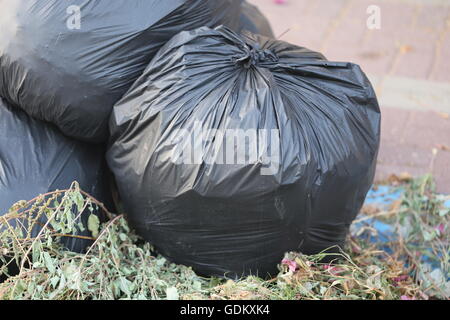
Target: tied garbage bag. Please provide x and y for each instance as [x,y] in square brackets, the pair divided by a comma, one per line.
[229,151]
[252,20]
[35,158]
[68,62]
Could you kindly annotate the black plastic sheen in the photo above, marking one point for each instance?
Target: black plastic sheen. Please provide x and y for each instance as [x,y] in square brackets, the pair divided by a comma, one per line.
[70,73]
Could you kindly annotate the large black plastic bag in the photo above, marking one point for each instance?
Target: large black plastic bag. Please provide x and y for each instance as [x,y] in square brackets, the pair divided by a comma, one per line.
[301,191]
[35,158]
[252,20]
[72,77]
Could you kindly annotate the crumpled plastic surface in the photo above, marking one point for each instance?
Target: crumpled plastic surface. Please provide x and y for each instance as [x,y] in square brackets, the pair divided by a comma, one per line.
[231,219]
[72,77]
[254,21]
[35,158]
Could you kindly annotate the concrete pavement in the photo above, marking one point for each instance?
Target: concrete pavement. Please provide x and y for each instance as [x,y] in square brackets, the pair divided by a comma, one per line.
[407,60]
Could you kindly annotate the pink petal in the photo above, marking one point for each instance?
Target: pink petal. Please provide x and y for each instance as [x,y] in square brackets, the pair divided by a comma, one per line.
[400,278]
[332,269]
[291,264]
[441,228]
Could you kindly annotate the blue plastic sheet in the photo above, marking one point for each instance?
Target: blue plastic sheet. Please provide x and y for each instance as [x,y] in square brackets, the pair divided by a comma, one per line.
[377,231]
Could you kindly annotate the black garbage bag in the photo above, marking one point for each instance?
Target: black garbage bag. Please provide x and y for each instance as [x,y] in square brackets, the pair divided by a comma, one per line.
[35,158]
[69,62]
[229,152]
[252,20]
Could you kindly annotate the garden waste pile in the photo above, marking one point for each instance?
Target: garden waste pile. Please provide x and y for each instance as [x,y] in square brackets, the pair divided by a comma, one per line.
[410,265]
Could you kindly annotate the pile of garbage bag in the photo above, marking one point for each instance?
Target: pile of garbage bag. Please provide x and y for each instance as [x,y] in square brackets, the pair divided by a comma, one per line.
[228,147]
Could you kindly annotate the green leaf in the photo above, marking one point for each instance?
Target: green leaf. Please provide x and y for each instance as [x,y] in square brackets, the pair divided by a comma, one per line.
[428,236]
[123,237]
[36,252]
[125,285]
[54,281]
[94,225]
[197,285]
[31,288]
[443,212]
[79,201]
[49,262]
[49,241]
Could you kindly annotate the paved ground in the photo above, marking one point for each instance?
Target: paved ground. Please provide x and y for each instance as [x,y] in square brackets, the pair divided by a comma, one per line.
[407,60]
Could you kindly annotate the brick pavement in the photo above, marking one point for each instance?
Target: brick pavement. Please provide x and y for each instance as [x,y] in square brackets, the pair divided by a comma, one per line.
[407,60]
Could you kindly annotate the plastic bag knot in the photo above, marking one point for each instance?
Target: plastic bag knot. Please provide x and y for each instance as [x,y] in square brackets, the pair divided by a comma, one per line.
[254,55]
